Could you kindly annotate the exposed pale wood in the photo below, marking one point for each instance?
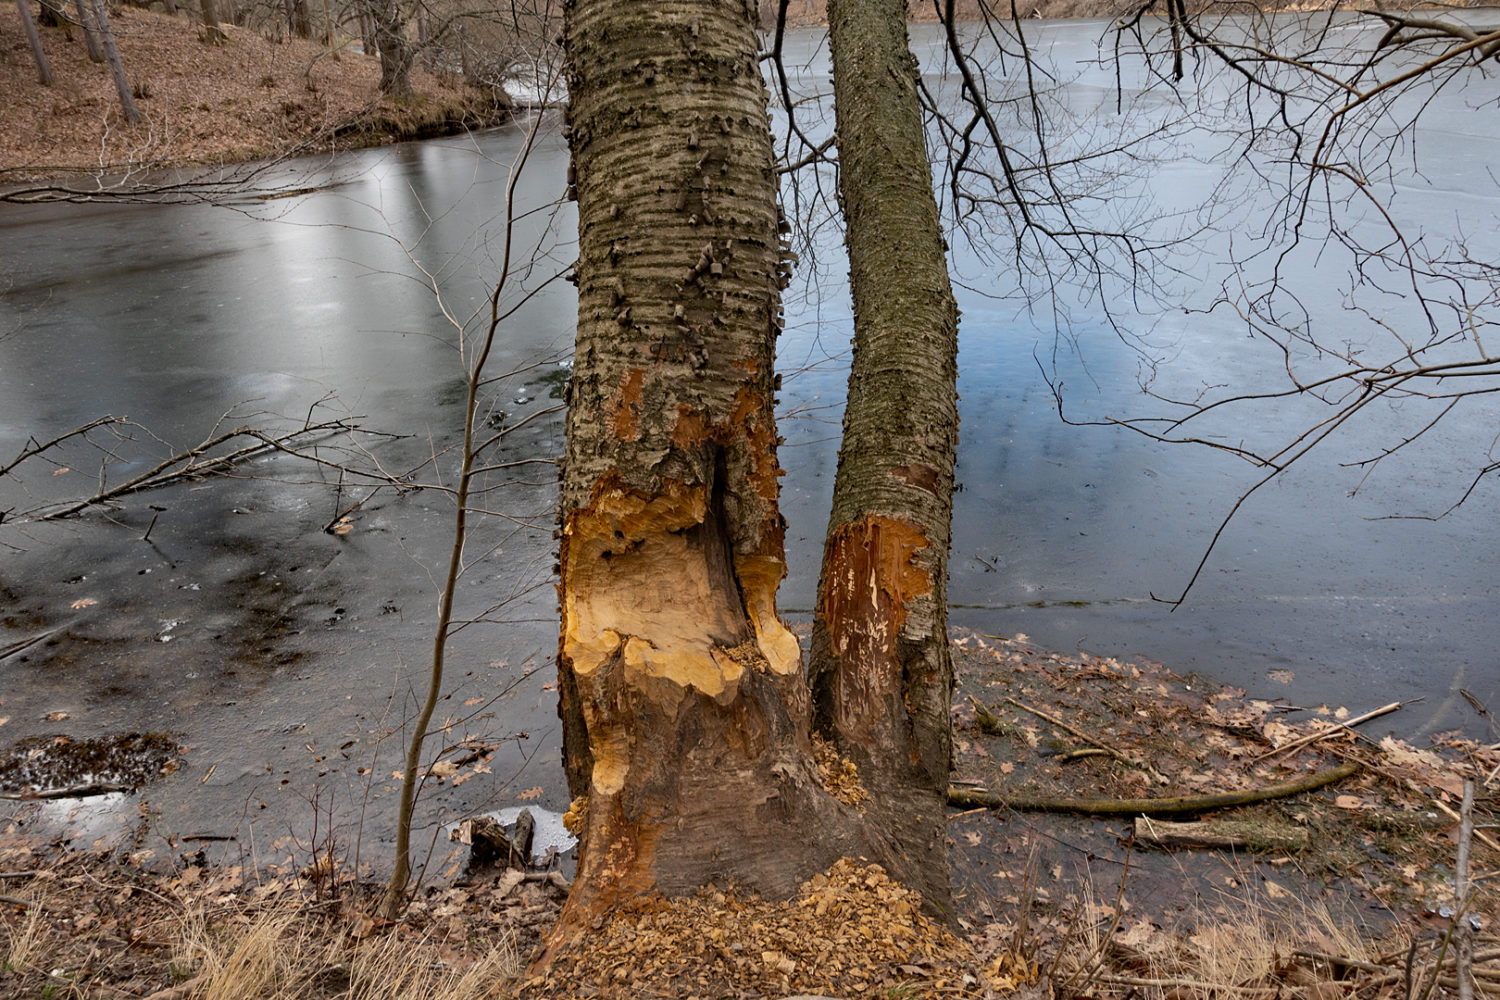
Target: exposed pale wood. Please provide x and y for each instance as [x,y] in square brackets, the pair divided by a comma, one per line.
[881,670]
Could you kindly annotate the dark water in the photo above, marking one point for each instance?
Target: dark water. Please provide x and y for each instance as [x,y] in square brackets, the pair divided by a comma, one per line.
[280,653]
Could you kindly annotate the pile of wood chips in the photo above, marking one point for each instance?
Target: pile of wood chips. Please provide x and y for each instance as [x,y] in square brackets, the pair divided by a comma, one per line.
[851,932]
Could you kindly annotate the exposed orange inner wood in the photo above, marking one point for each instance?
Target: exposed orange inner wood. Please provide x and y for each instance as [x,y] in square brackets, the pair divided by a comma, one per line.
[627,417]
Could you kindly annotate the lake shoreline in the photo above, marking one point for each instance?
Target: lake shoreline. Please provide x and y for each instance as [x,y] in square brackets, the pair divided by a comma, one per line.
[252,99]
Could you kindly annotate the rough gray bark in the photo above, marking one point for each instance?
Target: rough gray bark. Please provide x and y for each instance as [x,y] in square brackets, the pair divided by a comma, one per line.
[212,33]
[43,68]
[389,19]
[685,708]
[90,32]
[881,671]
[112,55]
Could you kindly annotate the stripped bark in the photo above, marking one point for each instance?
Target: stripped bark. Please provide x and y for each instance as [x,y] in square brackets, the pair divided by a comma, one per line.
[685,708]
[881,669]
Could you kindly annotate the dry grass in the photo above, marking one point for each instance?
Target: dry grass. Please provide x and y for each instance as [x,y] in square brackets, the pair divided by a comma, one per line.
[94,926]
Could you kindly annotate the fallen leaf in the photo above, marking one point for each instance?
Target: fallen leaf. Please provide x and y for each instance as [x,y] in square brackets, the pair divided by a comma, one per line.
[1349,802]
[83,602]
[1281,676]
[1275,891]
[531,793]
[58,472]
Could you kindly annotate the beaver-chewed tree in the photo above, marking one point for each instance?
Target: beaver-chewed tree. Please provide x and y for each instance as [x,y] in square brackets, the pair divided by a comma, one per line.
[685,705]
[882,674]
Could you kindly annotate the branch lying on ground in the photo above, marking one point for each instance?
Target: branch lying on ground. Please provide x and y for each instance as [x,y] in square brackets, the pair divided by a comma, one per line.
[1166,806]
[1334,730]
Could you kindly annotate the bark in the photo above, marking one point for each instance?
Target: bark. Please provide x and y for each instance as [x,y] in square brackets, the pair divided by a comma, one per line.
[43,69]
[112,55]
[395,51]
[90,32]
[212,33]
[685,709]
[367,35]
[50,15]
[881,671]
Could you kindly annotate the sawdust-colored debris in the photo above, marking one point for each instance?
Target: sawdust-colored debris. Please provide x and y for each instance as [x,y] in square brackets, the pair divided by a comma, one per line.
[837,773]
[851,932]
[201,104]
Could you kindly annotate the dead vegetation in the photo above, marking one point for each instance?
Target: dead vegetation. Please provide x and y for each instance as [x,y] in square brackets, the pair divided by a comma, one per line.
[1360,904]
[204,105]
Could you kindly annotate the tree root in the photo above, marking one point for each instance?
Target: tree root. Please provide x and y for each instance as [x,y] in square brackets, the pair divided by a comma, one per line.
[1166,806]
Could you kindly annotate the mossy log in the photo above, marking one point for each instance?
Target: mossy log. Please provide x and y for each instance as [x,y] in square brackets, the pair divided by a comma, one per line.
[1262,837]
[1164,806]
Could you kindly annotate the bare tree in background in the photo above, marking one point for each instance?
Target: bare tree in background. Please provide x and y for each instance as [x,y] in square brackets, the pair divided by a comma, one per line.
[43,69]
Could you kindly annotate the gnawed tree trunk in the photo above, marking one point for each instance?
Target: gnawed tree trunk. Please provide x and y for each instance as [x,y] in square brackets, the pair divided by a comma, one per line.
[685,708]
[882,675]
[43,68]
[100,10]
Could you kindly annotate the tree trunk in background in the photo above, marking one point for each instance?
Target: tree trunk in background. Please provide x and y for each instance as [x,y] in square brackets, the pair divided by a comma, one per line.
[395,50]
[43,69]
[685,709]
[90,32]
[367,34]
[212,33]
[881,671]
[51,15]
[112,55]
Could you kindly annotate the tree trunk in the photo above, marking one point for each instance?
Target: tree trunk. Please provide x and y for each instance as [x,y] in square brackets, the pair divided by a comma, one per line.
[43,69]
[212,33]
[367,34]
[90,32]
[51,15]
[881,671]
[301,19]
[684,705]
[112,54]
[395,50]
